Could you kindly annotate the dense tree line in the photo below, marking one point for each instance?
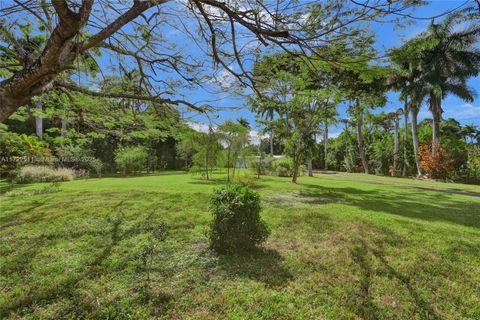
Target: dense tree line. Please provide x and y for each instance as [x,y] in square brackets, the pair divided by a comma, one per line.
[424,70]
[322,57]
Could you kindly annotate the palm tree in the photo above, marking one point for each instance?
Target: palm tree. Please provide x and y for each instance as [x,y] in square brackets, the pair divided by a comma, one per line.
[267,111]
[408,81]
[395,117]
[401,80]
[448,58]
[406,111]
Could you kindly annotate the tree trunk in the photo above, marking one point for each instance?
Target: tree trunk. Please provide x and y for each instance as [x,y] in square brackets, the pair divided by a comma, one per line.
[39,122]
[57,56]
[415,139]
[325,145]
[436,116]
[228,165]
[271,143]
[295,169]
[310,167]
[405,139]
[361,150]
[396,146]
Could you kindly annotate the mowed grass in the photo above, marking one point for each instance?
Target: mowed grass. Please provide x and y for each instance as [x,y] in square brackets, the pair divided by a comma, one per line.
[339,249]
[415,182]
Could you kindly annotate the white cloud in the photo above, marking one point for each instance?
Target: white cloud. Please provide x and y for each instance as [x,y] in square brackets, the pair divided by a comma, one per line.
[199,126]
[224,78]
[465,111]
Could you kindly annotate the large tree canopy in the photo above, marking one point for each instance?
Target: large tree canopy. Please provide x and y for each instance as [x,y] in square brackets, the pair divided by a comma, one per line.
[46,44]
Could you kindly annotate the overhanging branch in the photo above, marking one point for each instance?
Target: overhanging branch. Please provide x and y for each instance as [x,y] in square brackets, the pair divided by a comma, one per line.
[154,99]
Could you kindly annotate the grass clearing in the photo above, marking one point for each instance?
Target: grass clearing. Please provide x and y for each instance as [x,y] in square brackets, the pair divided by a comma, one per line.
[339,249]
[415,182]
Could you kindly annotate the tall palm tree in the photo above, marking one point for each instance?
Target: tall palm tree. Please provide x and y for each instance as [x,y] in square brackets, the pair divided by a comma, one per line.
[401,80]
[406,112]
[267,111]
[417,98]
[395,117]
[412,87]
[447,60]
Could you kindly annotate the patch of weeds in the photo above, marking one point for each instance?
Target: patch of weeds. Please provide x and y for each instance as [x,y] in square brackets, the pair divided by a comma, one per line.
[156,233]
[298,198]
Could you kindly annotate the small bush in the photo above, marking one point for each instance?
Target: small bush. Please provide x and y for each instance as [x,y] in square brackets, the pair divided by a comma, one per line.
[436,165]
[132,159]
[32,174]
[261,165]
[96,165]
[237,226]
[18,150]
[80,159]
[284,168]
[245,180]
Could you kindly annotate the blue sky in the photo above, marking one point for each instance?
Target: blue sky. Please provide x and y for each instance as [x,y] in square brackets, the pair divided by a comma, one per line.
[388,36]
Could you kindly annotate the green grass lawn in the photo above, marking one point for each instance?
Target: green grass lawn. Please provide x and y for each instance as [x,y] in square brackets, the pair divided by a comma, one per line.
[416,182]
[339,249]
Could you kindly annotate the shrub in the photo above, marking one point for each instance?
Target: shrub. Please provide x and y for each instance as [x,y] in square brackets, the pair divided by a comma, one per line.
[348,161]
[18,150]
[95,165]
[237,226]
[261,165]
[31,174]
[245,180]
[79,158]
[473,164]
[131,159]
[438,164]
[284,168]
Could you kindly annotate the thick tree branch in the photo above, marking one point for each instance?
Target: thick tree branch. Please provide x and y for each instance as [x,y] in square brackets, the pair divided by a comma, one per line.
[136,10]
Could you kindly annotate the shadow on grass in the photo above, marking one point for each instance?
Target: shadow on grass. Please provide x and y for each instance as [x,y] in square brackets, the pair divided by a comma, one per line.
[263,265]
[210,182]
[366,305]
[255,184]
[425,205]
[363,252]
[138,174]
[67,288]
[7,187]
[300,197]
[16,219]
